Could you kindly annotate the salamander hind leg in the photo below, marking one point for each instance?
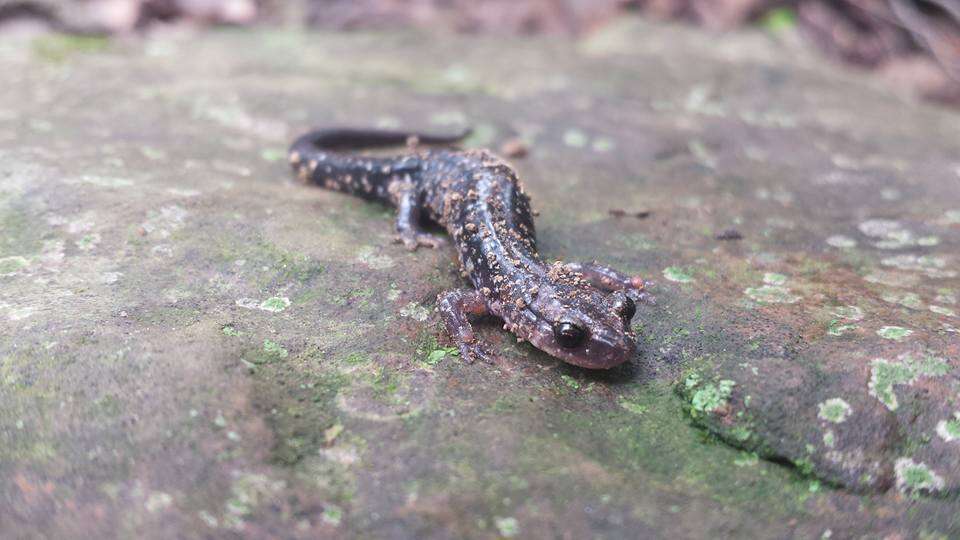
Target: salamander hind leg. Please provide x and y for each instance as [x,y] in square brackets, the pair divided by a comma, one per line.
[455,308]
[408,220]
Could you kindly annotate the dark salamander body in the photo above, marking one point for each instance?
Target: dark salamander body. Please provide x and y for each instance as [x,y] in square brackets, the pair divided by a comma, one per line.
[579,313]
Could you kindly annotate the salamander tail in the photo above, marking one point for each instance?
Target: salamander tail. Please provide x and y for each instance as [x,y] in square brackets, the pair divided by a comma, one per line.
[349,138]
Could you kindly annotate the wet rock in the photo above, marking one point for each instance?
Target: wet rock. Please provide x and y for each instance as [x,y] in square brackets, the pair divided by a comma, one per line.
[197,345]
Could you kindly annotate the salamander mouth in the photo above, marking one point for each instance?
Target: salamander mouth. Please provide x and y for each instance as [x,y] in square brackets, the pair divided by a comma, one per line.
[593,363]
[591,360]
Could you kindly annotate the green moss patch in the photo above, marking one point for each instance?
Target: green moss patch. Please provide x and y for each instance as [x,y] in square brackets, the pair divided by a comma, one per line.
[885,374]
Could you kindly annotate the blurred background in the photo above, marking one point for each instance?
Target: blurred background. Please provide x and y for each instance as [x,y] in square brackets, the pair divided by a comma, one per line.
[912,44]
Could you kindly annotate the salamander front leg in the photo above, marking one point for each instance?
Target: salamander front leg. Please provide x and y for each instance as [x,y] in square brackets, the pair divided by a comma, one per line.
[408,221]
[455,308]
[608,279]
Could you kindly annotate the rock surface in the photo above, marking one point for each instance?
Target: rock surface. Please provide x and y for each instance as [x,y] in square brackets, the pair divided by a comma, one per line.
[194,345]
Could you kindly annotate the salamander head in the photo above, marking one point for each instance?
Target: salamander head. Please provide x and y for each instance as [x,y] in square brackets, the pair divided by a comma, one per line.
[584,326]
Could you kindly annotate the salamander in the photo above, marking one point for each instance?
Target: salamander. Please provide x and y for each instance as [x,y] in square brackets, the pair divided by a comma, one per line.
[580,313]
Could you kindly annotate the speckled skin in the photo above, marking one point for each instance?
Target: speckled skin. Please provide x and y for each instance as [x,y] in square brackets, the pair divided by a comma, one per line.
[579,313]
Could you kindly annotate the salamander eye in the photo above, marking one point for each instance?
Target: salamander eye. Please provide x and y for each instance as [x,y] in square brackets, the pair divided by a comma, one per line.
[568,334]
[625,307]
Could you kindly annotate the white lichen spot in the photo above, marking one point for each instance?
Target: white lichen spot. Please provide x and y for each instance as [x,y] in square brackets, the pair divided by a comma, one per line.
[208,519]
[182,192]
[701,99]
[415,311]
[39,125]
[835,410]
[152,153]
[343,454]
[367,256]
[20,313]
[946,297]
[158,500]
[768,119]
[772,278]
[782,196]
[847,162]
[910,300]
[928,241]
[275,304]
[692,202]
[781,223]
[507,526]
[880,228]
[896,333]
[451,117]
[702,154]
[12,265]
[841,241]
[951,217]
[851,313]
[890,194]
[890,234]
[949,430]
[896,243]
[388,122]
[771,294]
[109,278]
[892,279]
[913,476]
[575,138]
[603,144]
[677,274]
[248,303]
[940,310]
[161,223]
[841,329]
[99,181]
[836,178]
[935,267]
[162,250]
